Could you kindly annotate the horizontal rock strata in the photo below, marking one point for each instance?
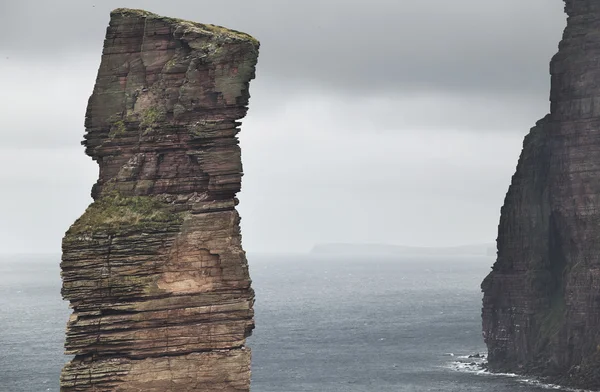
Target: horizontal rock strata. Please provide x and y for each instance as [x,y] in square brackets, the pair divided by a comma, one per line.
[154,269]
[541,306]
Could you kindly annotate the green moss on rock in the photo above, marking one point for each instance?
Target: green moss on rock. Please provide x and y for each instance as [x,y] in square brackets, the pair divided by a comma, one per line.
[132,12]
[118,128]
[214,29]
[152,116]
[114,213]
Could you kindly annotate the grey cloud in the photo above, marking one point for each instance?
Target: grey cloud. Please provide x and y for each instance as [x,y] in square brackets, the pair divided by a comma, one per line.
[424,111]
[358,47]
[43,192]
[45,107]
[439,187]
[371,121]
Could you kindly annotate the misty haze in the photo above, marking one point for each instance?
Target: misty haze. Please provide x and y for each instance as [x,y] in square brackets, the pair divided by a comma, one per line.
[379,145]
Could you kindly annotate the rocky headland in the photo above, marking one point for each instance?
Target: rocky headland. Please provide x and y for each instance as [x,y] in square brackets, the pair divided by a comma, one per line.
[541,305]
[154,269]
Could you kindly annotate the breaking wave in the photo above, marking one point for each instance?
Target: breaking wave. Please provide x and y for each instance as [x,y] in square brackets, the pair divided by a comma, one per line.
[476,364]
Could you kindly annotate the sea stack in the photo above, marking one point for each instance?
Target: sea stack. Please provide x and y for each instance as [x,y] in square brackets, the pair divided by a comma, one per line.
[541,305]
[154,269]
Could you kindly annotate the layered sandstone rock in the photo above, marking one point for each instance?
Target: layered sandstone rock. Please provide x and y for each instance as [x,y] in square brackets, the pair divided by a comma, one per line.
[154,269]
[541,306]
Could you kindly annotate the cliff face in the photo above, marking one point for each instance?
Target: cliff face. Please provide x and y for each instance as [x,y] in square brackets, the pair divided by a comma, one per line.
[541,305]
[154,269]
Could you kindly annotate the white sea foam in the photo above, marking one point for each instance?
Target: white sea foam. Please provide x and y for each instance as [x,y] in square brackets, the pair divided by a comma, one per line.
[540,384]
[469,364]
[472,358]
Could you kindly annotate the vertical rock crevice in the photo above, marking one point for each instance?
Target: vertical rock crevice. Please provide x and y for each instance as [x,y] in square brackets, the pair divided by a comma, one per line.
[541,312]
[154,269]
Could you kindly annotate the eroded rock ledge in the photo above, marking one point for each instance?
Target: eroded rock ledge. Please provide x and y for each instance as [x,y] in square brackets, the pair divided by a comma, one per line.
[541,305]
[154,269]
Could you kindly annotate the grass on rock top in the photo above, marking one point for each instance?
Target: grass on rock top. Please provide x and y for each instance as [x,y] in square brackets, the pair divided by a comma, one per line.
[214,29]
[113,213]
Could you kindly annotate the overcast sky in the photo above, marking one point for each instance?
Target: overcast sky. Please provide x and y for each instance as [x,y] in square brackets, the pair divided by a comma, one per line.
[378,121]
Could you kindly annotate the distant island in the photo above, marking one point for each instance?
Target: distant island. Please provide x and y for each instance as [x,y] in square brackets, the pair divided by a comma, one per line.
[387,249]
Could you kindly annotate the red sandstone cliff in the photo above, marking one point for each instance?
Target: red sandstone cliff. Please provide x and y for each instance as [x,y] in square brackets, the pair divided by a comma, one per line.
[154,269]
[541,305]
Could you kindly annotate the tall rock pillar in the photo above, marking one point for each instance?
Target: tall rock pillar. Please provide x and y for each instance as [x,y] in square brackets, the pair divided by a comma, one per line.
[154,269]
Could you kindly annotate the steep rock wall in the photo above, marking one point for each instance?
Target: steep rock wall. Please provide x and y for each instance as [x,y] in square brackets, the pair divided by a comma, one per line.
[541,305]
[154,269]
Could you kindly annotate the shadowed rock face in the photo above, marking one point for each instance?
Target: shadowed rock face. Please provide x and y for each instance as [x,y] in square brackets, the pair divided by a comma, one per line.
[154,269]
[541,305]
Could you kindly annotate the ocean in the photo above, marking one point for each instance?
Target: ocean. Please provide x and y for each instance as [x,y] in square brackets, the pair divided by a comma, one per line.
[323,324]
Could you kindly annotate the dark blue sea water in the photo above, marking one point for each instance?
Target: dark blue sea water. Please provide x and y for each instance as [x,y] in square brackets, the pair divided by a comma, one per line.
[323,325]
